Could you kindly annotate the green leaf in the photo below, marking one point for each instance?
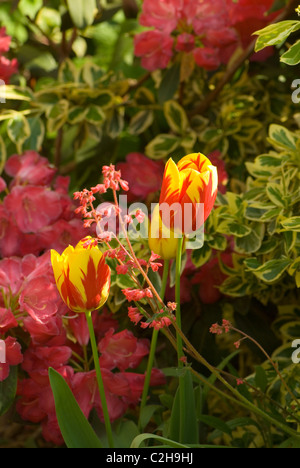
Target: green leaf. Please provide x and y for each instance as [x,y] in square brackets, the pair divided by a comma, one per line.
[291,224]
[216,423]
[3,154]
[275,33]
[147,413]
[30,7]
[275,194]
[161,146]
[239,230]
[140,122]
[261,378]
[18,130]
[125,434]
[95,115]
[176,116]
[270,271]
[8,390]
[292,56]
[77,114]
[82,12]
[249,243]
[183,424]
[138,441]
[75,428]
[37,133]
[201,256]
[282,138]
[68,73]
[169,83]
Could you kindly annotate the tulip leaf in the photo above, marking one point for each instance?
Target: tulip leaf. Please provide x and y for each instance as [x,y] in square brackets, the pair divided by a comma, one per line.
[183,424]
[8,389]
[75,428]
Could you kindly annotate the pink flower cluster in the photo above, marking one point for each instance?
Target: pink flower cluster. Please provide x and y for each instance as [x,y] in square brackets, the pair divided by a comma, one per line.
[37,213]
[7,67]
[39,331]
[210,31]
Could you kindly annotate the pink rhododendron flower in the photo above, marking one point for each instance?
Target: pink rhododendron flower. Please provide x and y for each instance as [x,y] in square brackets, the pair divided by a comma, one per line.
[13,356]
[122,350]
[143,174]
[185,42]
[33,207]
[162,14]
[7,320]
[29,168]
[207,57]
[4,41]
[155,49]
[7,68]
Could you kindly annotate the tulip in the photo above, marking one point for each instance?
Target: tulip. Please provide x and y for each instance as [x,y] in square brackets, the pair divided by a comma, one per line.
[189,189]
[161,240]
[82,277]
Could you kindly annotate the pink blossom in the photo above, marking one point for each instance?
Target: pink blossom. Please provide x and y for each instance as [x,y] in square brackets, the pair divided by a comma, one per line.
[10,235]
[122,350]
[13,356]
[7,68]
[30,168]
[185,42]
[155,49]
[162,14]
[3,185]
[143,174]
[207,57]
[7,320]
[39,298]
[4,41]
[33,207]
[42,357]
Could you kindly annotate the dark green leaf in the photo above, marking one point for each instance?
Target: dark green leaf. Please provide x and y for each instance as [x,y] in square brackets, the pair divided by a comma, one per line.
[75,428]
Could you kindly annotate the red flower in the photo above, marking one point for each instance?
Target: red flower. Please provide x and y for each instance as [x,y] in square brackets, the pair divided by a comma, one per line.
[155,49]
[13,356]
[122,350]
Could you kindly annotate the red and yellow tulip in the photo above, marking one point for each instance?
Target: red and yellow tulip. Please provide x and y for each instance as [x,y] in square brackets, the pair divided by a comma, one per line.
[82,277]
[193,181]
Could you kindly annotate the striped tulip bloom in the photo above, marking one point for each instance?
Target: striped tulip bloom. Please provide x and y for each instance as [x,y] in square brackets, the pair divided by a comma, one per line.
[82,277]
[189,189]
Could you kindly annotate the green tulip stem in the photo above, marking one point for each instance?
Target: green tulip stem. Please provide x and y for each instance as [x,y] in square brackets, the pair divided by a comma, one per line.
[153,347]
[100,380]
[178,336]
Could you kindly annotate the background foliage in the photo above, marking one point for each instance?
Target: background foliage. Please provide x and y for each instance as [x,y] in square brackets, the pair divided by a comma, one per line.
[82,99]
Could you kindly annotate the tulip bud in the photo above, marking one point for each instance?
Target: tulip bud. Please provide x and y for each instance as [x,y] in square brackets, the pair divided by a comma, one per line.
[161,240]
[82,277]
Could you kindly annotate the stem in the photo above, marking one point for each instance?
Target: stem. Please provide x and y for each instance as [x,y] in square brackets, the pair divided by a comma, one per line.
[179,338]
[177,300]
[153,346]
[100,380]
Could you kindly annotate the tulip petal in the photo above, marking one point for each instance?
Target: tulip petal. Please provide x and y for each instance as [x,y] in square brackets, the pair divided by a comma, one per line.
[171,188]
